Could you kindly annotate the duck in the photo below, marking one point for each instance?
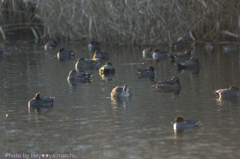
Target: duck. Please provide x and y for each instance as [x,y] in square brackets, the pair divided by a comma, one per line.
[1,54]
[146,73]
[78,76]
[65,54]
[231,48]
[94,45]
[107,69]
[186,55]
[209,47]
[173,83]
[192,63]
[51,44]
[39,102]
[86,64]
[147,53]
[182,124]
[179,45]
[121,91]
[232,91]
[157,54]
[101,55]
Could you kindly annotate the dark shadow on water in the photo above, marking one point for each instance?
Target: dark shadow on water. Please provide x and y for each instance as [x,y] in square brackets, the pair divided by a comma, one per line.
[74,83]
[193,71]
[39,110]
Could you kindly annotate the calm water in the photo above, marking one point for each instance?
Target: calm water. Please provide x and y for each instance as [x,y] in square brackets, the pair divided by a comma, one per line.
[87,123]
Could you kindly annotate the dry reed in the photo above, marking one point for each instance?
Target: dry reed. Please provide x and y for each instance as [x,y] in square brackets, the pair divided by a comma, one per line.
[17,15]
[140,21]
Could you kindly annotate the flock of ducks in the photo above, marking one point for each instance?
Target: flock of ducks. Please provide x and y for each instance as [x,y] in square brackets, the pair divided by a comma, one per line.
[183,60]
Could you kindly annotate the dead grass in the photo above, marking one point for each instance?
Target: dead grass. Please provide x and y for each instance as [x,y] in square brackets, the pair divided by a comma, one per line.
[18,15]
[141,22]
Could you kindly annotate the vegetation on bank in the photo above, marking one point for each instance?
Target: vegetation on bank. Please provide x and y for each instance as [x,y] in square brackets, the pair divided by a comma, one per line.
[125,21]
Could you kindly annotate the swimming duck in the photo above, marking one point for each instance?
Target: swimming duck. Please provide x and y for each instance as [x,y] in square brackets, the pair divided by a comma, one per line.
[107,69]
[38,101]
[192,63]
[86,64]
[120,91]
[157,54]
[94,45]
[231,48]
[174,83]
[182,124]
[147,53]
[1,54]
[65,54]
[146,73]
[232,91]
[51,44]
[178,45]
[78,76]
[181,56]
[101,55]
[209,47]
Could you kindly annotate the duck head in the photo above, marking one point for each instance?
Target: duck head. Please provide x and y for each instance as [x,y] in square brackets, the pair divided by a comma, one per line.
[234,88]
[80,59]
[151,68]
[126,88]
[194,59]
[176,79]
[179,119]
[60,49]
[37,96]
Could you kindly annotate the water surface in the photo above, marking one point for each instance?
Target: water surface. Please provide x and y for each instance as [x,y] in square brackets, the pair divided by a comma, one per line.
[86,122]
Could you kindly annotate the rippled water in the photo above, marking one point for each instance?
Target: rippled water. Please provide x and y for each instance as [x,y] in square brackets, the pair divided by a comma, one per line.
[86,122]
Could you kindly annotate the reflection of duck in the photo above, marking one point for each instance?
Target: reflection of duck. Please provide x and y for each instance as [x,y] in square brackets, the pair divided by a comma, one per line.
[192,63]
[182,124]
[120,91]
[157,54]
[120,102]
[94,45]
[107,69]
[65,54]
[86,64]
[232,91]
[181,56]
[78,76]
[51,44]
[193,71]
[38,101]
[146,73]
[147,53]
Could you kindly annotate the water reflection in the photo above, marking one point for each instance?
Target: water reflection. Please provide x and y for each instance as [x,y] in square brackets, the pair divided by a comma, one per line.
[169,90]
[120,101]
[187,71]
[76,82]
[39,110]
[223,101]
